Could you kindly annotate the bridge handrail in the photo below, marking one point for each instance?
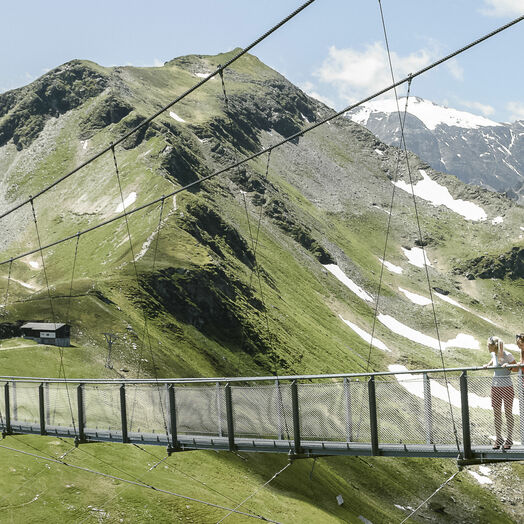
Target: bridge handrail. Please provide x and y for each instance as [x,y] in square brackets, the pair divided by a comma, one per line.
[225,380]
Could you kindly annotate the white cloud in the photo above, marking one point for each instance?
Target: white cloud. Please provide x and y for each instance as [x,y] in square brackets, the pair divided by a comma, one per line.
[516,109]
[503,8]
[485,109]
[358,73]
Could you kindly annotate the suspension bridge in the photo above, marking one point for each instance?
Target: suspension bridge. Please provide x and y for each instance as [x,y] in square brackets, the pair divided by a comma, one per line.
[397,414]
[390,414]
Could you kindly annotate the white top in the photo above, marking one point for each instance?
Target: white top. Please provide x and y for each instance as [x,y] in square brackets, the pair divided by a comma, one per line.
[502,377]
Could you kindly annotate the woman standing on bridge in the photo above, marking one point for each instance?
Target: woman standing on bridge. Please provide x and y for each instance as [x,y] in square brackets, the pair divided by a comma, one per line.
[520,343]
[501,390]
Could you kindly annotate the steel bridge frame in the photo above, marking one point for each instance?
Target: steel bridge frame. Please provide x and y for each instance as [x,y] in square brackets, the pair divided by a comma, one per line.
[294,445]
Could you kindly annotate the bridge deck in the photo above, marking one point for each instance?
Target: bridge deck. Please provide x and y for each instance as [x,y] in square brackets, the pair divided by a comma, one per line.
[401,415]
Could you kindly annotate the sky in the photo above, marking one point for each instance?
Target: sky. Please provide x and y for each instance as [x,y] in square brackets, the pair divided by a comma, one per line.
[334,50]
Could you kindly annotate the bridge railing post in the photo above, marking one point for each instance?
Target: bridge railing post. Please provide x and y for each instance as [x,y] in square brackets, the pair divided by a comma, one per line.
[373,416]
[47,404]
[520,389]
[14,400]
[123,413]
[7,429]
[41,405]
[464,406]
[81,413]
[173,437]
[296,417]
[428,413]
[349,419]
[229,413]
[279,408]
[218,393]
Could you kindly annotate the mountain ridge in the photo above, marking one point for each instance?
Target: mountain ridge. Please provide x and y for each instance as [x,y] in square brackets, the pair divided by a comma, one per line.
[478,151]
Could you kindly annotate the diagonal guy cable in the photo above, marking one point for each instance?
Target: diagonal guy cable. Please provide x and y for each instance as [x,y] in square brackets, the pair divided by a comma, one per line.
[139,484]
[403,146]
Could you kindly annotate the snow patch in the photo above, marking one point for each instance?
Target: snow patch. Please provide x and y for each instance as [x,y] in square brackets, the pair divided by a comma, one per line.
[379,152]
[438,195]
[131,198]
[391,267]
[84,144]
[204,75]
[416,299]
[445,298]
[23,284]
[34,264]
[338,273]
[497,220]
[463,341]
[460,341]
[381,209]
[429,113]
[365,336]
[416,256]
[174,116]
[481,479]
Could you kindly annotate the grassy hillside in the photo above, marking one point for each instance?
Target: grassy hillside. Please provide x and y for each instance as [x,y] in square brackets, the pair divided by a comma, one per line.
[223,295]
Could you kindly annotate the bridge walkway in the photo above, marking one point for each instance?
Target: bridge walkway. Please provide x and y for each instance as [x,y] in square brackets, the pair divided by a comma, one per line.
[394,414]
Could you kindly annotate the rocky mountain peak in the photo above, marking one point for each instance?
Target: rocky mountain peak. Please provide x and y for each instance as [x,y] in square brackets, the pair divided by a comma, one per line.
[472,147]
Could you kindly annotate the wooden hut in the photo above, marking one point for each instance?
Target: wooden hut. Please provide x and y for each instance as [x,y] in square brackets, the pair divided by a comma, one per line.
[51,333]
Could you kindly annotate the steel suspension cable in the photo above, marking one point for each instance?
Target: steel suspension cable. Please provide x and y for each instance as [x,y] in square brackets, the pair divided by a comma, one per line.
[431,496]
[421,239]
[382,265]
[60,351]
[187,475]
[277,144]
[151,353]
[137,483]
[8,282]
[165,108]
[44,269]
[137,278]
[256,491]
[68,320]
[388,230]
[255,266]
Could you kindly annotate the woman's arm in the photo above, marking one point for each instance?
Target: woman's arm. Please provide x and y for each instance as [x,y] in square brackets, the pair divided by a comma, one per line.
[507,365]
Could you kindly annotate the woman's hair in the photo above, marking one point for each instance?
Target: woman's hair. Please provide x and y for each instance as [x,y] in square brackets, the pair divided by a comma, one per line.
[494,341]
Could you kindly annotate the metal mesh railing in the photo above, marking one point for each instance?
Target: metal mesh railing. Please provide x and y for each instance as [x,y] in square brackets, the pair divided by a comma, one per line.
[411,409]
[61,405]
[201,410]
[24,403]
[146,408]
[102,406]
[262,411]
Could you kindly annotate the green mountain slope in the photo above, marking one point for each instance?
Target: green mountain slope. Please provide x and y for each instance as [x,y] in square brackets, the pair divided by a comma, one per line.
[234,275]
